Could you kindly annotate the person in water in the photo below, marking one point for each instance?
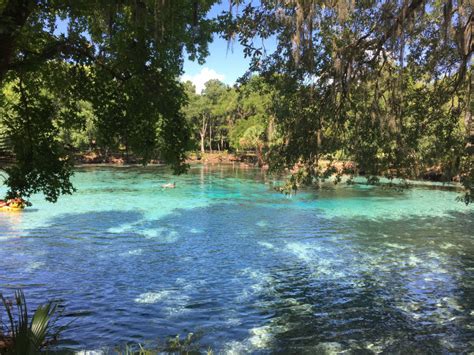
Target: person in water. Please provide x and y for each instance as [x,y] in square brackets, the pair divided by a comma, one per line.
[169,185]
[13,202]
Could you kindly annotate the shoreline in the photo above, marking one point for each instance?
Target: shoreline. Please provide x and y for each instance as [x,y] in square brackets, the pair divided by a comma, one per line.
[357,179]
[94,159]
[244,160]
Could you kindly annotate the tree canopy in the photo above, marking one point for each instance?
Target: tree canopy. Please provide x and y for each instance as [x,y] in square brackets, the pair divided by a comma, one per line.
[383,84]
[386,84]
[123,57]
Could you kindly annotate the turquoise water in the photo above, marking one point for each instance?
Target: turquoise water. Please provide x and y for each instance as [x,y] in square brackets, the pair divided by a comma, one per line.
[345,268]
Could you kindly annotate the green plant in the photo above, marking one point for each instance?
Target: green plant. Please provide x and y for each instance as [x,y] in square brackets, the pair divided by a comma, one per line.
[24,335]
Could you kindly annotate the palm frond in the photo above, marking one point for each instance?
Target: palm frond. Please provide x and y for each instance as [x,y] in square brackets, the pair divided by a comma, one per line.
[27,335]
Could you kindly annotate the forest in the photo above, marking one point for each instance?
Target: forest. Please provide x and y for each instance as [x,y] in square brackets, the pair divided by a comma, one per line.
[383,87]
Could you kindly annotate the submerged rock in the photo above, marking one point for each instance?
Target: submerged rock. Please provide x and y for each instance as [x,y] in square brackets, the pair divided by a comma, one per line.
[328,348]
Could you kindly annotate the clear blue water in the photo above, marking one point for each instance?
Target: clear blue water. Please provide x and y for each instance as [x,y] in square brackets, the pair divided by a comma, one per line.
[345,268]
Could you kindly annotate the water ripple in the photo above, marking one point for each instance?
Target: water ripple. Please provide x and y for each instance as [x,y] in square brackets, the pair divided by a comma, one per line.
[341,269]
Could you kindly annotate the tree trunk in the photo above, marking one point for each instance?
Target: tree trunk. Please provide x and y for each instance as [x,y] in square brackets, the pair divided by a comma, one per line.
[202,133]
[260,155]
[271,128]
[203,150]
[210,136]
[468,119]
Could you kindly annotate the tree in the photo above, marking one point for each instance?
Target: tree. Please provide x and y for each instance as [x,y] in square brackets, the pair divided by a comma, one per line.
[122,57]
[384,84]
[83,133]
[250,134]
[196,114]
[209,112]
[214,94]
[351,78]
[254,129]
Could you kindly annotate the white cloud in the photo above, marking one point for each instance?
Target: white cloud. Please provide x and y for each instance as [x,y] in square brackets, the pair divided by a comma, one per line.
[202,77]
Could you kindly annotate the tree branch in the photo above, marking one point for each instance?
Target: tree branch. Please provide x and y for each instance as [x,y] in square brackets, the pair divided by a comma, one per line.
[12,19]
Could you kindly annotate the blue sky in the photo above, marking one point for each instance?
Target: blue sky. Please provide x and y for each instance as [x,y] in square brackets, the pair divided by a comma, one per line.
[225,62]
[222,63]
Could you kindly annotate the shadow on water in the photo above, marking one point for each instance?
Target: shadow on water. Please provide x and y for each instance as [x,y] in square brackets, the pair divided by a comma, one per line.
[407,287]
[64,260]
[281,279]
[366,285]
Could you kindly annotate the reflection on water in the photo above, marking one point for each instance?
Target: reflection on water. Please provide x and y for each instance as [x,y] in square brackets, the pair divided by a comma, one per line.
[10,222]
[341,269]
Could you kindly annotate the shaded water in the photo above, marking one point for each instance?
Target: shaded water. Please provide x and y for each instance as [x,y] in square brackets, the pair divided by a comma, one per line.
[346,268]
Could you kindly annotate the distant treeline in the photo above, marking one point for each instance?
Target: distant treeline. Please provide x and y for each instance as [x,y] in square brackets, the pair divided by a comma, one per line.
[384,85]
[253,116]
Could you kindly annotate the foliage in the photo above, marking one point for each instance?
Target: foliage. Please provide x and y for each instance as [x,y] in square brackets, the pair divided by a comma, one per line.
[384,84]
[23,335]
[240,117]
[41,161]
[122,58]
[208,114]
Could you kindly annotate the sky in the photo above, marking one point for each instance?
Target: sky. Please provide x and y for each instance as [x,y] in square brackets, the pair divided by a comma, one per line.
[226,61]
[224,64]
